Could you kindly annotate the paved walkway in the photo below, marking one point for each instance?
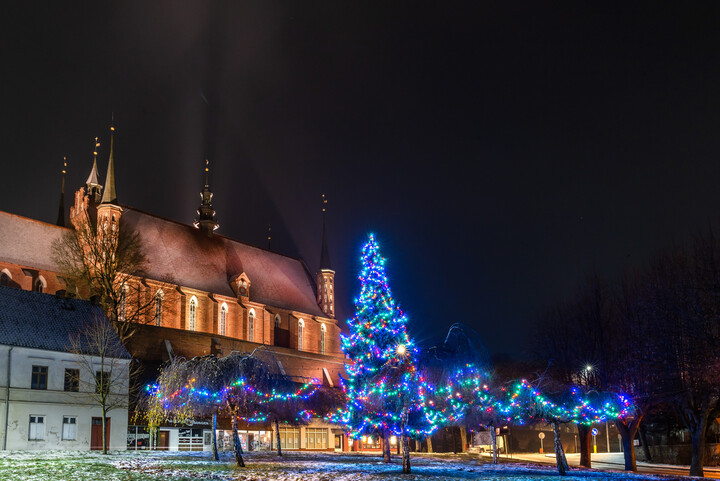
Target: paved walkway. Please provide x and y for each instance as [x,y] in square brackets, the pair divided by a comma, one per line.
[615,462]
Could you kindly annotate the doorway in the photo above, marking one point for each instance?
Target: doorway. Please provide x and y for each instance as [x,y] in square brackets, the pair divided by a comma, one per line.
[96,434]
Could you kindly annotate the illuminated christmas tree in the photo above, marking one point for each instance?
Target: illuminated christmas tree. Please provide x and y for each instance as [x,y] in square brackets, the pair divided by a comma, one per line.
[384,388]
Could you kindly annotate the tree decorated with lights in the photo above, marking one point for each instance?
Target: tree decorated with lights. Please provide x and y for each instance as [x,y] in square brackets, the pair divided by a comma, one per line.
[240,385]
[526,403]
[384,388]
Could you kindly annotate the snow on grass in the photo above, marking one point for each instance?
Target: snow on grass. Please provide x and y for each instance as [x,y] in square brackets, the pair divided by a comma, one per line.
[293,466]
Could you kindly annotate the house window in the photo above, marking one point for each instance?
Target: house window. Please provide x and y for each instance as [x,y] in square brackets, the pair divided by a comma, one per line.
[322,339]
[158,307]
[251,326]
[102,382]
[277,321]
[369,442]
[37,428]
[69,429]
[301,328]
[39,377]
[72,380]
[191,313]
[223,319]
[316,438]
[289,438]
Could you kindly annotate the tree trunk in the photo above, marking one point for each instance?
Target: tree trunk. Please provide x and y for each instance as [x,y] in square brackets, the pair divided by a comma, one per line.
[562,464]
[277,434]
[237,446]
[104,431]
[697,435]
[627,430]
[386,446]
[642,430]
[493,436]
[405,454]
[585,436]
[216,457]
[463,439]
[429,443]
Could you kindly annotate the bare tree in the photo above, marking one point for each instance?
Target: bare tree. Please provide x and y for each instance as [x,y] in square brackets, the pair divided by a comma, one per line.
[683,305]
[108,265]
[105,368]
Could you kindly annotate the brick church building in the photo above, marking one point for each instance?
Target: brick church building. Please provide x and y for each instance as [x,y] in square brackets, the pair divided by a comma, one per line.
[208,295]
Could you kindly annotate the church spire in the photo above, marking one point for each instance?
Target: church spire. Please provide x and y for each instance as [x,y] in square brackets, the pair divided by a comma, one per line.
[324,252]
[61,207]
[109,194]
[92,184]
[325,275]
[206,214]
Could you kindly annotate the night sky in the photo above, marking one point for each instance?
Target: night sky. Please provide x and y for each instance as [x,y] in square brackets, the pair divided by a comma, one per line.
[499,151]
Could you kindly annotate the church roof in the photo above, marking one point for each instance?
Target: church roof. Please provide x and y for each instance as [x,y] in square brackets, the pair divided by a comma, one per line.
[28,242]
[41,321]
[184,255]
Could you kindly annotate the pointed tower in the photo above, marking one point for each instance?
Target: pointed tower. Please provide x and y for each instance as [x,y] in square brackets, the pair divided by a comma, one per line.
[109,212]
[87,198]
[61,207]
[92,184]
[325,275]
[206,221]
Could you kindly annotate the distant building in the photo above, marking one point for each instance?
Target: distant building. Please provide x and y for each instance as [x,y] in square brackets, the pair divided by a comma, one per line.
[44,399]
[210,295]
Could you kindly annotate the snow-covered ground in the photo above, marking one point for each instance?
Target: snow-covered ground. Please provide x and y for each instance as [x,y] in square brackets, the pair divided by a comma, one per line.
[156,466]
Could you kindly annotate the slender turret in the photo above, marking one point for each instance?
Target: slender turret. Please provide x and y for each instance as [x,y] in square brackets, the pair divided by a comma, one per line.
[325,275]
[206,221]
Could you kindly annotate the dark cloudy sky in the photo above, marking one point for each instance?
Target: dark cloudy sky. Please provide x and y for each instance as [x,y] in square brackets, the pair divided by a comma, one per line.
[500,151]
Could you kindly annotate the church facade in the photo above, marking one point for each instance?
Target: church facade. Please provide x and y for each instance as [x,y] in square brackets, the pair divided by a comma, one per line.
[202,293]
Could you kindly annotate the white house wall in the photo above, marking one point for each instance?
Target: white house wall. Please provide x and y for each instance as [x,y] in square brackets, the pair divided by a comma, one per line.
[53,403]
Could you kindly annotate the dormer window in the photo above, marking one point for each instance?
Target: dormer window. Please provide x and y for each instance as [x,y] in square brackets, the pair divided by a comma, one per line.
[241,285]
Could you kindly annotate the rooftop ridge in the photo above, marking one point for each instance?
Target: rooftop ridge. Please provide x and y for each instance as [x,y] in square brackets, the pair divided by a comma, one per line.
[189,226]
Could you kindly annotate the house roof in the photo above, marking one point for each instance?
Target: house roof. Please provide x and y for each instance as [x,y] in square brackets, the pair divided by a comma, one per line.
[42,321]
[184,255]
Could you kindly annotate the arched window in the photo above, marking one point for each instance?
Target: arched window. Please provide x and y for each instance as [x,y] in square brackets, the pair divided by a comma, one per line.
[277,321]
[322,338]
[122,304]
[40,284]
[159,296]
[301,328]
[5,278]
[191,313]
[223,319]
[251,325]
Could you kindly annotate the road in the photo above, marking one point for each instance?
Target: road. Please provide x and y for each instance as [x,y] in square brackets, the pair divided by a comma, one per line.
[616,462]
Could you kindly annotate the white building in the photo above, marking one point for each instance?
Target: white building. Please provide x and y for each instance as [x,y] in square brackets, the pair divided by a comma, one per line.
[46,390]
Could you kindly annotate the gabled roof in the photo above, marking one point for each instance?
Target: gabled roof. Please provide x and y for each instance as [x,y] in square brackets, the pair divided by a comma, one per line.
[42,321]
[184,255]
